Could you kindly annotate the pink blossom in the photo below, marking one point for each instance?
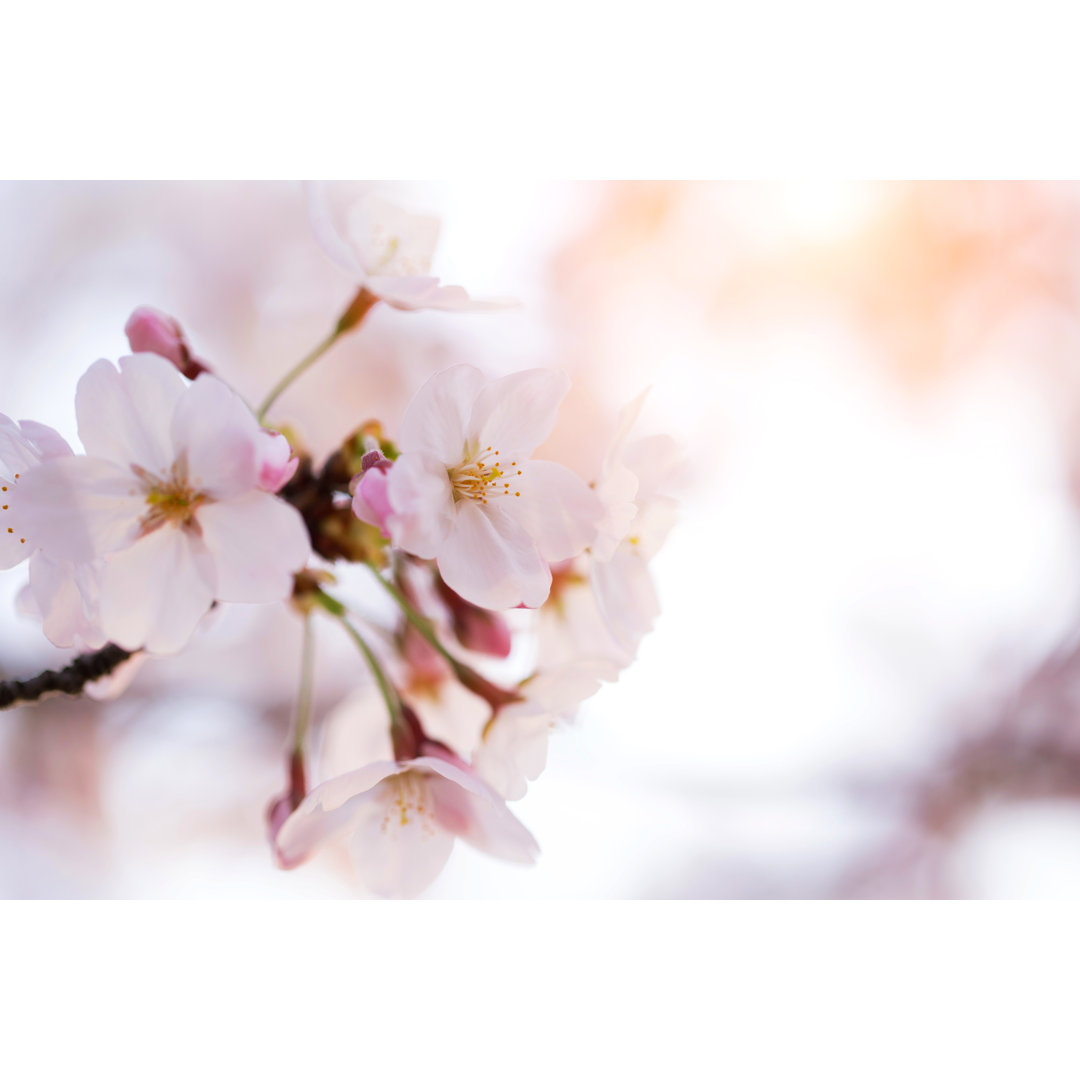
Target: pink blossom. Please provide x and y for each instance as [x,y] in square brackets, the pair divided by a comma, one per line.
[402,818]
[464,492]
[513,749]
[277,463]
[168,494]
[61,594]
[388,250]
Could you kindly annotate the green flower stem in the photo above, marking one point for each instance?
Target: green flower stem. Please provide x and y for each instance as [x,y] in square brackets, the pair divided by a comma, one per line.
[354,314]
[338,611]
[469,677]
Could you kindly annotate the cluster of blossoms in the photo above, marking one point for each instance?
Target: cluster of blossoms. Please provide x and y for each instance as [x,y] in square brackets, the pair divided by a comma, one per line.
[182,500]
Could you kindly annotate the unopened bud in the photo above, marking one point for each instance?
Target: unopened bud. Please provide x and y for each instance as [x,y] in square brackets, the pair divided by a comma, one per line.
[151,331]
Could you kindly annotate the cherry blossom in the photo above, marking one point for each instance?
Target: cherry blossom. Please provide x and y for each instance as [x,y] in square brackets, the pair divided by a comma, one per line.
[513,749]
[168,494]
[464,493]
[401,819]
[388,250]
[605,602]
[62,594]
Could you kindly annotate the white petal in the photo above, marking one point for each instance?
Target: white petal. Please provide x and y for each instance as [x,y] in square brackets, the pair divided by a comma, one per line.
[516,413]
[327,810]
[76,508]
[556,508]
[65,595]
[325,226]
[514,750]
[422,501]
[218,437]
[24,444]
[397,844]
[426,294]
[436,419]
[626,597]
[489,559]
[125,416]
[257,542]
[658,462]
[154,593]
[474,811]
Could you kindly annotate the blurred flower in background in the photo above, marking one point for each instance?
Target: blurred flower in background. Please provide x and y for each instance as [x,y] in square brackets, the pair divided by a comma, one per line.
[864,673]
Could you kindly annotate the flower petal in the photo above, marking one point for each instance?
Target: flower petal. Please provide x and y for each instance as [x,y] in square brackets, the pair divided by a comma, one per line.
[516,413]
[436,419]
[76,508]
[325,227]
[65,596]
[398,854]
[626,597]
[426,294]
[125,416]
[154,593]
[218,437]
[257,543]
[474,811]
[556,508]
[422,502]
[327,810]
[489,559]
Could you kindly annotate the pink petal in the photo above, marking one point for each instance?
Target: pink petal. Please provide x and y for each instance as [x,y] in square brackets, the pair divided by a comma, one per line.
[125,416]
[154,593]
[76,508]
[437,418]
[257,542]
[478,814]
[556,508]
[220,438]
[152,331]
[327,810]
[488,559]
[277,464]
[422,502]
[371,499]
[516,413]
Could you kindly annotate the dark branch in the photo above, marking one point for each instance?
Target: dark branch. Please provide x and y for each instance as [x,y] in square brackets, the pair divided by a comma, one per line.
[70,680]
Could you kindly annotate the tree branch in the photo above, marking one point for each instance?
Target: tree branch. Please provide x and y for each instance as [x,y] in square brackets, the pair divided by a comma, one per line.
[69,680]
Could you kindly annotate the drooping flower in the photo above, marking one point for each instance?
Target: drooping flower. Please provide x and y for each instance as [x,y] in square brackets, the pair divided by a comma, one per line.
[513,749]
[388,250]
[402,818]
[168,494]
[464,492]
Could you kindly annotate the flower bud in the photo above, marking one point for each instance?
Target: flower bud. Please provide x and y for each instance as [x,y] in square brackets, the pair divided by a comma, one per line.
[152,331]
[371,502]
[278,464]
[475,627]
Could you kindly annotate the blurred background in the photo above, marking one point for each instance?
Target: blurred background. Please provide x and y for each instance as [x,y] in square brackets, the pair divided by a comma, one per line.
[866,678]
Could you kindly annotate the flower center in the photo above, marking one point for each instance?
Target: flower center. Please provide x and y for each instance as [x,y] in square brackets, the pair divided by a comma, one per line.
[406,800]
[170,499]
[481,477]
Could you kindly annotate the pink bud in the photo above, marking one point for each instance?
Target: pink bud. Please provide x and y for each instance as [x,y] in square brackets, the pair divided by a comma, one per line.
[482,631]
[152,331]
[277,464]
[371,503]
